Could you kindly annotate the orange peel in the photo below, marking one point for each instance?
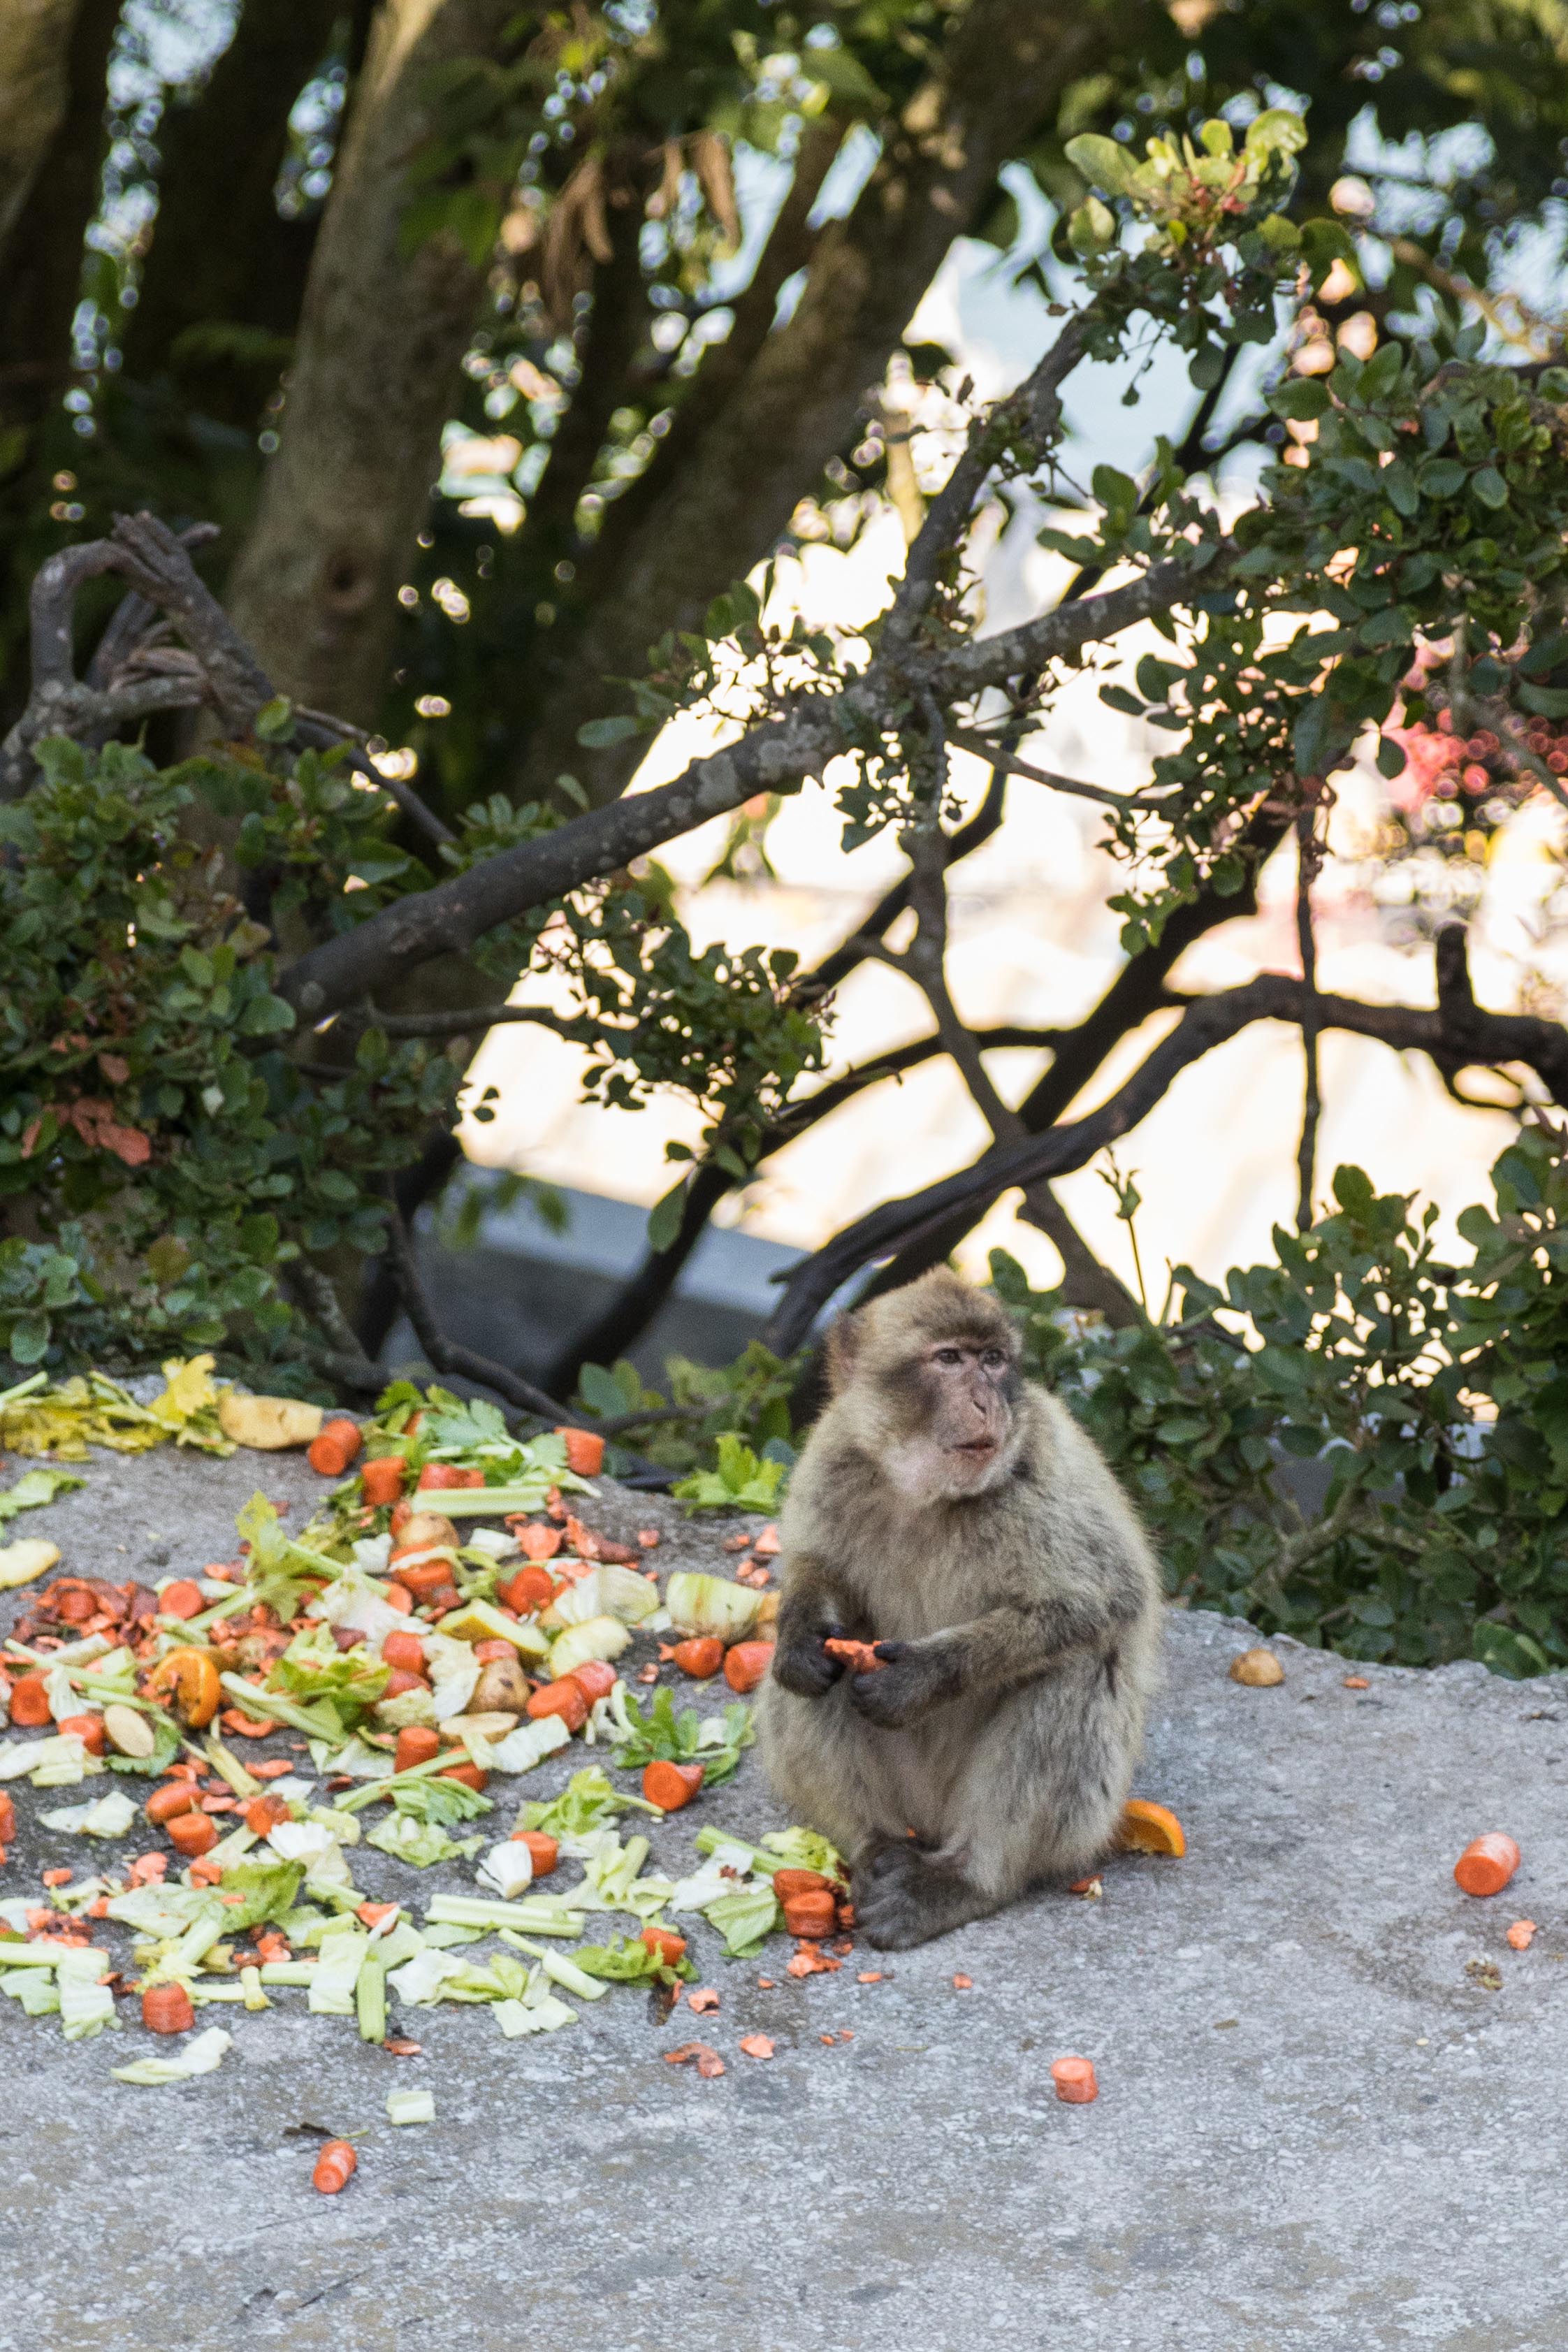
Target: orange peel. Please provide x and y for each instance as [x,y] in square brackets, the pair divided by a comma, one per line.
[1148,1828]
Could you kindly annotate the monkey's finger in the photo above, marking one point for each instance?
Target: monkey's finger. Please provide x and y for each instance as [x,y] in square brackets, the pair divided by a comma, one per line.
[891,1651]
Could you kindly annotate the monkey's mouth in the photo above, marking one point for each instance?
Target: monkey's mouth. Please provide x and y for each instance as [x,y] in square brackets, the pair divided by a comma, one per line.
[977,1449]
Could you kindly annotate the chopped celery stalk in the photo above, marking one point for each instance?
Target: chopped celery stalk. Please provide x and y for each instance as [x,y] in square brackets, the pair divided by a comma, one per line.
[709,1840]
[352,1799]
[333,1986]
[496,1502]
[201,1991]
[410,2107]
[289,1972]
[546,2016]
[194,1945]
[228,1767]
[543,1915]
[250,1989]
[29,1955]
[279,1709]
[559,1968]
[370,1999]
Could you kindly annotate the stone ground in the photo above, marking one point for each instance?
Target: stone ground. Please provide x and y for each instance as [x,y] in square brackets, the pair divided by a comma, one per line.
[1316,2128]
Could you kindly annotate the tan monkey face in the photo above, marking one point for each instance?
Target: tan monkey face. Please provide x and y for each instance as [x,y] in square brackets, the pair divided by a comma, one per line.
[960,1434]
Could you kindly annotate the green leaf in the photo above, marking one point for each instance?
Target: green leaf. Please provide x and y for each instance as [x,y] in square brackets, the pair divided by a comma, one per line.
[1489,485]
[599,734]
[274,722]
[1301,396]
[664,1218]
[1102,163]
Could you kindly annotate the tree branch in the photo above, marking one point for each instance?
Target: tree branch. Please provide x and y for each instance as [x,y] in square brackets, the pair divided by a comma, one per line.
[443,1355]
[1542,1045]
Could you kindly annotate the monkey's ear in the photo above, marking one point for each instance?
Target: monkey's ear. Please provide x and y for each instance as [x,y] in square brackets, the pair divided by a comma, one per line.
[842,1352]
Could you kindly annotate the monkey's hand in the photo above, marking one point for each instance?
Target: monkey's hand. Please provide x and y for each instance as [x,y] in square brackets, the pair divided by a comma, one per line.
[913,1677]
[800,1661]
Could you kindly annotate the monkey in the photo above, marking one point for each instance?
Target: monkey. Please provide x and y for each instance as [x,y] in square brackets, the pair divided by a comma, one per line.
[956,1515]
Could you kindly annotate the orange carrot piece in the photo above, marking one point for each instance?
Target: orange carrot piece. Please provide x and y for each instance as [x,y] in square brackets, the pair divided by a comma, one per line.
[471,1775]
[402,1679]
[445,1477]
[30,1700]
[382,1480]
[404,1651]
[166,1803]
[585,1451]
[756,2045]
[1487,1863]
[183,1598]
[415,1744]
[669,1946]
[192,1834]
[1075,2080]
[567,1699]
[88,1730]
[747,1664]
[671,1786]
[7,1817]
[789,1884]
[398,1596]
[247,1726]
[339,1444]
[594,1678]
[811,1915]
[543,1851]
[860,1657]
[166,2009]
[335,2167]
[530,1589]
[1521,1936]
[263,1814]
[701,1657]
[536,1543]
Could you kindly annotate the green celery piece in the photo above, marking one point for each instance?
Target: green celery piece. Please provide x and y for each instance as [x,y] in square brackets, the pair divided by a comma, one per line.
[289,1972]
[541,1914]
[370,1999]
[280,1709]
[709,1840]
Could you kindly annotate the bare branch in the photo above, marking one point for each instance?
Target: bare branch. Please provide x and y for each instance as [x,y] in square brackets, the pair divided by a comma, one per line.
[1492,1038]
[445,1355]
[1000,757]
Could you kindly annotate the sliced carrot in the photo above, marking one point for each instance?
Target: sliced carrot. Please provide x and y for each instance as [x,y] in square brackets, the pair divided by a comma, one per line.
[247,1726]
[708,2062]
[1521,1936]
[425,1577]
[487,1653]
[372,1913]
[183,1598]
[747,1664]
[543,1851]
[417,1744]
[7,1817]
[594,1678]
[166,2009]
[269,1767]
[263,1814]
[1147,1828]
[406,1651]
[192,1834]
[398,1597]
[811,1915]
[537,1543]
[439,1478]
[756,2045]
[88,1730]
[671,1786]
[585,1451]
[1487,1863]
[382,1480]
[669,1946]
[567,1699]
[400,1680]
[30,1700]
[860,1657]
[339,1444]
[470,1775]
[335,2167]
[530,1590]
[187,1682]
[701,1657]
[205,1870]
[1075,2080]
[167,1803]
[56,1877]
[789,1884]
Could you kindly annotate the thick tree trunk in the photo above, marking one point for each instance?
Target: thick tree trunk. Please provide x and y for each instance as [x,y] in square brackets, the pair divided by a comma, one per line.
[796,405]
[54,58]
[375,374]
[221,153]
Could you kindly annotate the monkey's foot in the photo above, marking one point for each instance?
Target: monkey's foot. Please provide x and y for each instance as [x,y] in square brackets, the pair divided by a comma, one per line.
[899,1901]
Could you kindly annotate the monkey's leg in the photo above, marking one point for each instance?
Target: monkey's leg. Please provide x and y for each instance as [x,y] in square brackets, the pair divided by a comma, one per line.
[903,1899]
[828,1770]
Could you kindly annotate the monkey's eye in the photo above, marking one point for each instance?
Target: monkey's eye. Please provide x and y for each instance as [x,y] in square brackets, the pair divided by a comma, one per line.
[949,1356]
[993,1358]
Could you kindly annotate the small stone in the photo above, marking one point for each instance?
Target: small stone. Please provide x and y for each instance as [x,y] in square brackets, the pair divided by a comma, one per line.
[1258,1669]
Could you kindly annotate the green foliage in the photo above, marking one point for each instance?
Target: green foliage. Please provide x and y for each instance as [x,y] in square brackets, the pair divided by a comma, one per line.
[749,1399]
[660,1736]
[739,1481]
[1426,1404]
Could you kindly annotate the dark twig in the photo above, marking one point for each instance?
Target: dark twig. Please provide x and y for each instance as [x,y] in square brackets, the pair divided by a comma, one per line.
[1310,855]
[445,1355]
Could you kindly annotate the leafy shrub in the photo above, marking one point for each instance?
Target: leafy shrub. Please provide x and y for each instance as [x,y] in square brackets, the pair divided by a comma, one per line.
[1432,1401]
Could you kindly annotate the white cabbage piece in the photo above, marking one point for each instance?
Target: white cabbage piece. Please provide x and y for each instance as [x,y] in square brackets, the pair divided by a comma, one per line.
[203,2055]
[508,1868]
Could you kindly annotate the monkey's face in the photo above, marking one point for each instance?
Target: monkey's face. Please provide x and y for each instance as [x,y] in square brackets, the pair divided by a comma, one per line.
[960,1430]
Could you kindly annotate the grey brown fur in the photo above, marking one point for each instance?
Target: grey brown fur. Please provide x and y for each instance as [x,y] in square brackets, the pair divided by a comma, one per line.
[1017,1602]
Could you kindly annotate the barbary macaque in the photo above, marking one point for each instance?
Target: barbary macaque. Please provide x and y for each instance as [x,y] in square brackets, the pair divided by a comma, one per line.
[956,1515]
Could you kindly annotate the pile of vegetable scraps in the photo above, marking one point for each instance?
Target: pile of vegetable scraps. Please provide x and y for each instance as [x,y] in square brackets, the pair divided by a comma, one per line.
[445,1622]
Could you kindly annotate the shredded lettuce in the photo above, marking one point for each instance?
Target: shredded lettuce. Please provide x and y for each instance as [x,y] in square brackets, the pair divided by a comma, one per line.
[419,1843]
[438,1801]
[333,1986]
[268,1890]
[35,1487]
[528,1745]
[108,1817]
[202,2055]
[745,1919]
[86,2005]
[659,1734]
[806,1850]
[628,1961]
[588,1801]
[541,2016]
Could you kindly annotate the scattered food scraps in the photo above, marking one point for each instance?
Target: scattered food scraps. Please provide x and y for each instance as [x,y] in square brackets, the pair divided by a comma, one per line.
[1258,1669]
[335,2167]
[1485,1973]
[1487,1863]
[1148,1828]
[963,1984]
[1523,1933]
[709,2065]
[870,1976]
[1076,2081]
[1356,1681]
[704,2001]
[1093,1888]
[756,2045]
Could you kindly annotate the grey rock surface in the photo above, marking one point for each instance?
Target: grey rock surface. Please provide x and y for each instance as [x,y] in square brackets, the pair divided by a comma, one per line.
[1317,2125]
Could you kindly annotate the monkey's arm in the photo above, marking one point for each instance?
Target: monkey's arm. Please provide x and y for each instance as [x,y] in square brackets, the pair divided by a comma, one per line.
[809,1613]
[1008,1646]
